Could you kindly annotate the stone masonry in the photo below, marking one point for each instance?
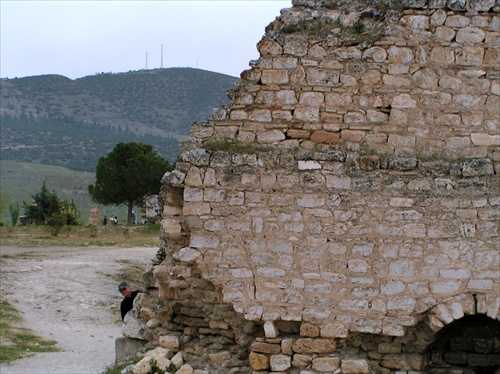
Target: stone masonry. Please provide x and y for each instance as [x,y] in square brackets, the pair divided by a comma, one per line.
[342,215]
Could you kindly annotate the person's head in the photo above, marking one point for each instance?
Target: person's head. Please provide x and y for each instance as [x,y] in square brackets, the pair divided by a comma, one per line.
[124,289]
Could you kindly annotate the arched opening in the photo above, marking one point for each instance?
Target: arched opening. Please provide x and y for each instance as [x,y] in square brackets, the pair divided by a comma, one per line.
[470,345]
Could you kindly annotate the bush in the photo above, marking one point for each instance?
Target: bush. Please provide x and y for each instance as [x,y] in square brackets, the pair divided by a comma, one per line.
[14,213]
[56,223]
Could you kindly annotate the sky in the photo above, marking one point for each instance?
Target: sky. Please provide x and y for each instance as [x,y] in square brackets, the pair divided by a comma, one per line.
[80,38]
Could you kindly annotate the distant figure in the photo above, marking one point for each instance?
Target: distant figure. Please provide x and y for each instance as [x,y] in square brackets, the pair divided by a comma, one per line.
[133,218]
[128,298]
[105,221]
[116,220]
[113,220]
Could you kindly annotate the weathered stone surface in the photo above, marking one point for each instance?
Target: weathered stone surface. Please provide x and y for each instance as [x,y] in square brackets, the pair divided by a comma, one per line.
[280,363]
[326,364]
[308,345]
[361,206]
[355,367]
[259,361]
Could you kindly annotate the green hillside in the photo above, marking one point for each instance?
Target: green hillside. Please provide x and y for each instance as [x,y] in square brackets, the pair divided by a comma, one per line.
[18,181]
[54,120]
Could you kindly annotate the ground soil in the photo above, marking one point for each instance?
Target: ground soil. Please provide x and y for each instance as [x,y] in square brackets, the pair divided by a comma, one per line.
[68,294]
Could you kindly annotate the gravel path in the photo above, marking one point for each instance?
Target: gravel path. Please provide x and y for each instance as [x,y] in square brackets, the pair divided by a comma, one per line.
[66,294]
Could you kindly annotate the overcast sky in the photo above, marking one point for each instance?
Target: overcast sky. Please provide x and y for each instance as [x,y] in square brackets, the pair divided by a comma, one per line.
[80,38]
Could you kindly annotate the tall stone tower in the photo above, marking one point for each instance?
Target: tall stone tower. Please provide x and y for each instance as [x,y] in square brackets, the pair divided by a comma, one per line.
[342,215]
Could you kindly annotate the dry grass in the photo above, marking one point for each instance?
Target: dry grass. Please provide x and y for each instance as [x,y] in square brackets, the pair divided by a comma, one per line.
[75,236]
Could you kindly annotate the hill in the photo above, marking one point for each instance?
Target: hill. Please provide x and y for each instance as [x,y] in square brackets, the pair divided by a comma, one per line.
[54,120]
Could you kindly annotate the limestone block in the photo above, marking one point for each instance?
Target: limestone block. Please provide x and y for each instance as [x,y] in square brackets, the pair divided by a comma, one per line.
[395,81]
[272,77]
[127,347]
[470,35]
[444,35]
[326,137]
[219,356]
[481,5]
[419,22]
[389,348]
[265,348]
[402,268]
[314,99]
[264,97]
[475,167]
[348,80]
[285,97]
[251,76]
[282,115]
[241,273]
[188,254]
[241,98]
[403,304]
[317,76]
[307,114]
[493,309]
[170,342]
[284,63]
[309,330]
[438,18]
[280,363]
[315,52]
[238,115]
[143,366]
[286,346]
[400,55]
[296,45]
[270,137]
[185,369]
[308,165]
[326,364]
[371,77]
[443,288]
[334,330]
[392,288]
[174,178]
[377,54]
[470,56]
[259,361]
[457,21]
[297,76]
[260,115]
[480,284]
[351,366]
[403,101]
[318,346]
[269,47]
[485,139]
[426,78]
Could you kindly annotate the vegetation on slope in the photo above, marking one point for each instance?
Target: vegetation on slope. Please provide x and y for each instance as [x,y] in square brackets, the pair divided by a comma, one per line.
[54,120]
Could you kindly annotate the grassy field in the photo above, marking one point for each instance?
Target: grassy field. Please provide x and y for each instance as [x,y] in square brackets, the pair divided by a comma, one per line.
[74,236]
[20,180]
[18,341]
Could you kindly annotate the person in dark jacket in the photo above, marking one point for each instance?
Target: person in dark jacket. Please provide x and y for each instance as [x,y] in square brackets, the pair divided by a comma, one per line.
[128,298]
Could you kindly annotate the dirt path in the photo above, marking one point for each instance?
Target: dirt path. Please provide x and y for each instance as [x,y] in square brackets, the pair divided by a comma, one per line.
[67,294]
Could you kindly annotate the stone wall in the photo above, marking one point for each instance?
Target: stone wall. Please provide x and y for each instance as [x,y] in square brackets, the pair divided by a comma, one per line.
[344,211]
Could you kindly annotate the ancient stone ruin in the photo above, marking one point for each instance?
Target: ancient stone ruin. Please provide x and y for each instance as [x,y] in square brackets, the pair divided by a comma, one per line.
[342,215]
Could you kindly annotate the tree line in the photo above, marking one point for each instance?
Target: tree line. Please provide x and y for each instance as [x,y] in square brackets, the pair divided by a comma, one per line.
[69,142]
[128,174]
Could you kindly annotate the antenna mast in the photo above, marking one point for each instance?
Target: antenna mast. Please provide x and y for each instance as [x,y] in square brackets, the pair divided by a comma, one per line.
[161,56]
